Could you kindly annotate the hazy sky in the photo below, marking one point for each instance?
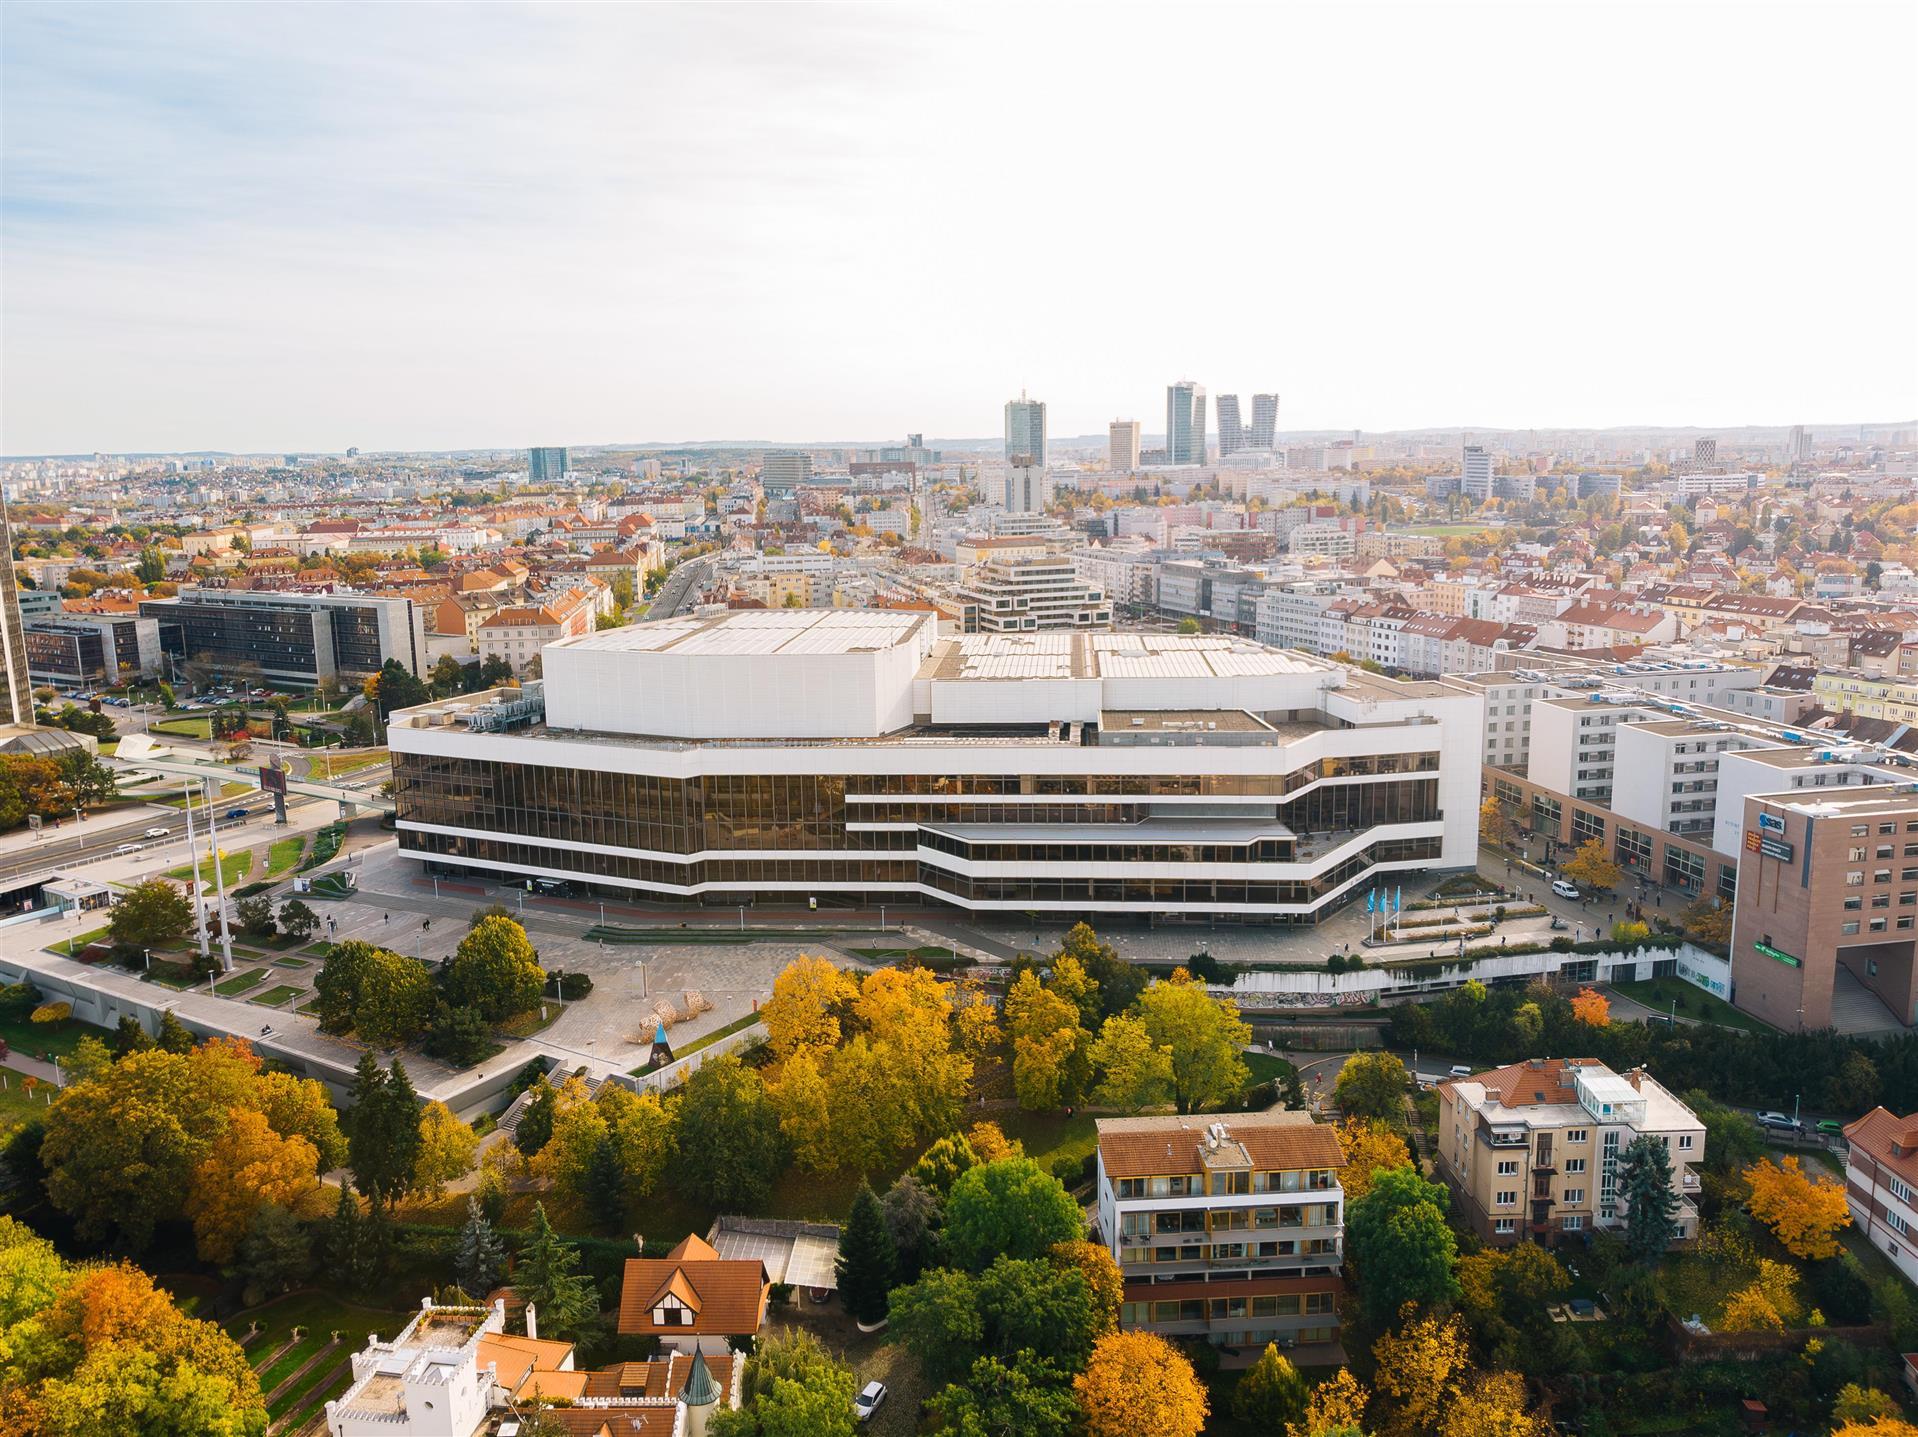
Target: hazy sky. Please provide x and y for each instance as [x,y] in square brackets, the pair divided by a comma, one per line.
[261,227]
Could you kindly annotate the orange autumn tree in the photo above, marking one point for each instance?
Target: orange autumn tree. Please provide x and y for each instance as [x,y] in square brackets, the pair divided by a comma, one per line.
[1804,1213]
[1368,1146]
[1592,1007]
[1336,1403]
[1877,1427]
[1138,1382]
[247,1167]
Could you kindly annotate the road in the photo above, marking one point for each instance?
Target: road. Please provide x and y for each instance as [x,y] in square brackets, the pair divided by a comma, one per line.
[672,594]
[50,853]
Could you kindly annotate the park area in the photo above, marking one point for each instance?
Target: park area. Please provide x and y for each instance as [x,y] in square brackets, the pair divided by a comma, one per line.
[301,1346]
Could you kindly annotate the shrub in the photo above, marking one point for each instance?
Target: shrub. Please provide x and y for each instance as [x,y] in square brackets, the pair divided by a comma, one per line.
[17,1000]
[53,1013]
[574,986]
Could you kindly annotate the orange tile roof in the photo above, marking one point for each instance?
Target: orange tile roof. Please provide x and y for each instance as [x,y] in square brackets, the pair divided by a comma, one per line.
[1173,1145]
[728,1295]
[1521,1085]
[1878,1130]
[664,1376]
[553,1386]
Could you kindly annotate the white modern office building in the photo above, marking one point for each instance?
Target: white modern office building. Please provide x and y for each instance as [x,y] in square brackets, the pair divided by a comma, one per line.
[857,756]
[1122,436]
[1030,593]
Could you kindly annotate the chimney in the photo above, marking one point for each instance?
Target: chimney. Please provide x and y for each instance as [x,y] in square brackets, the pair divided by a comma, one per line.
[532,1322]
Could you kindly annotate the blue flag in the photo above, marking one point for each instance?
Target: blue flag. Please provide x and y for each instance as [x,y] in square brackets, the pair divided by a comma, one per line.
[1372,901]
[1399,902]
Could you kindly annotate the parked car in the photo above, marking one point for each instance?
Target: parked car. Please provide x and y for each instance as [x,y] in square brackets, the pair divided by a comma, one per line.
[868,1400]
[1831,1127]
[1565,889]
[1780,1121]
[159,833]
[551,887]
[1459,1070]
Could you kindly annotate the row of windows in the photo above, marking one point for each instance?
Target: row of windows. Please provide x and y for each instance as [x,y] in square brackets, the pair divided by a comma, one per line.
[1236,1219]
[1290,1180]
[1220,1309]
[1223,1252]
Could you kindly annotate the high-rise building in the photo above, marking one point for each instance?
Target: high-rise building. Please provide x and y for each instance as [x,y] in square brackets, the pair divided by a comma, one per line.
[16,703]
[290,639]
[1026,429]
[1476,472]
[1798,447]
[1231,432]
[1704,451]
[1185,422]
[784,470]
[1027,488]
[1124,437]
[1265,420]
[545,466]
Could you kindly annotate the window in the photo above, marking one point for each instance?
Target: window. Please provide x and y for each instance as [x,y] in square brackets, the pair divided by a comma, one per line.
[1508,1169]
[1685,1142]
[1855,879]
[1573,1222]
[1887,828]
[1897,1223]
[1506,1198]
[1881,875]
[1855,855]
[1574,1166]
[1884,850]
[1854,904]
[1849,927]
[1878,925]
[1900,1190]
[1860,830]
[1505,1224]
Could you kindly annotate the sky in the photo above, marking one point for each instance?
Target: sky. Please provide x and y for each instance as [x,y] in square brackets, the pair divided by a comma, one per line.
[279,227]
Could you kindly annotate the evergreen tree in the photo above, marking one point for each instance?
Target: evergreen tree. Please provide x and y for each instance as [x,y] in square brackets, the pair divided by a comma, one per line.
[349,1257]
[1651,1207]
[535,1128]
[545,1281]
[277,1251]
[482,1258]
[174,1037]
[604,1184]
[383,1132]
[130,1037]
[866,1259]
[1271,1394]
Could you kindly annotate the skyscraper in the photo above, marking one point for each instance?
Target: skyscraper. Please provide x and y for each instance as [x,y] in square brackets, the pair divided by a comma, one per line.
[1026,429]
[1124,437]
[545,466]
[16,702]
[1185,422]
[1477,472]
[783,470]
[1705,451]
[1265,420]
[1231,432]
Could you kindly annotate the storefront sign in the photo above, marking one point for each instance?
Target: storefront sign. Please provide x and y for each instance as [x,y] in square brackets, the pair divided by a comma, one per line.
[1778,954]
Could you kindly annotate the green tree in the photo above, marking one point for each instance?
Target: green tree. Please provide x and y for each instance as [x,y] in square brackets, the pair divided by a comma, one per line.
[152,914]
[130,1037]
[866,1260]
[1189,625]
[1040,1304]
[1205,1036]
[459,1036]
[1134,1072]
[382,1132]
[912,1217]
[277,1252]
[545,1278]
[1399,1240]
[941,1164]
[938,1320]
[730,1145]
[480,1259]
[1119,983]
[449,676]
[1025,1395]
[1012,1207]
[791,1387]
[256,915]
[495,971]
[535,1127]
[1270,1395]
[1651,1207]
[299,921]
[603,1185]
[1372,1085]
[347,1245]
[396,688]
[174,1036]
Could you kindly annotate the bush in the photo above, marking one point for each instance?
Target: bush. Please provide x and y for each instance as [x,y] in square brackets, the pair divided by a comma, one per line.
[52,1013]
[17,1000]
[460,1036]
[573,986]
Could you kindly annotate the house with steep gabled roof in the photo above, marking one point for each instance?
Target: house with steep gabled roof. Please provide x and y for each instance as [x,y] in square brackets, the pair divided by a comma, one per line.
[693,1300]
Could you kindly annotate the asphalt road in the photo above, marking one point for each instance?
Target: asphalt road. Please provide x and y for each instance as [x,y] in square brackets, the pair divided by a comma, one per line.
[53,851]
[672,594]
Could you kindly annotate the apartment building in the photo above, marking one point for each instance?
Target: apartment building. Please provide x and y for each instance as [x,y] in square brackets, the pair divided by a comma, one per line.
[1665,772]
[1575,740]
[1881,1184]
[1030,593]
[857,753]
[1227,1226]
[1531,1151]
[294,639]
[518,634]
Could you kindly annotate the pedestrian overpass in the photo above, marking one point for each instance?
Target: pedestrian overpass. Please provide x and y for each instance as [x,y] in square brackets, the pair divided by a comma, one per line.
[249,774]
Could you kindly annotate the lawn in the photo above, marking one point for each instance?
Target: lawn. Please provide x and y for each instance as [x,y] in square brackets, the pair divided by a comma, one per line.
[1047,1137]
[284,854]
[67,947]
[188,726]
[1264,1068]
[273,997]
[46,1040]
[330,766]
[1693,1002]
[233,867]
[326,843]
[319,1315]
[239,982]
[15,1105]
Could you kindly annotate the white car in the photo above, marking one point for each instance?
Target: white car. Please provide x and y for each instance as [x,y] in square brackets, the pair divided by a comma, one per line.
[128,848]
[868,1400]
[159,833]
[1565,889]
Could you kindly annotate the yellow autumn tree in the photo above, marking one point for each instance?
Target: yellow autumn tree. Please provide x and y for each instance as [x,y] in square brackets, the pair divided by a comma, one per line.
[1490,1405]
[1047,1043]
[1877,1427]
[1337,1402]
[1591,1007]
[1493,826]
[1102,1275]
[1138,1382]
[1368,1145]
[809,998]
[248,1166]
[1750,1310]
[1417,1365]
[990,1143]
[1591,866]
[446,1150]
[1804,1213]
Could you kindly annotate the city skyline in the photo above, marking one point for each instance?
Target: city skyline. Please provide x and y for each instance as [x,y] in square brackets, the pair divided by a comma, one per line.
[277,229]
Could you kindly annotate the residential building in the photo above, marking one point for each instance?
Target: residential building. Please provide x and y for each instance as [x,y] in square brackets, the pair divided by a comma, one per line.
[1226,1226]
[519,632]
[1475,473]
[1123,437]
[1575,740]
[546,466]
[1231,431]
[294,638]
[1026,430]
[1828,883]
[693,1300]
[1532,1150]
[782,471]
[1665,772]
[1061,772]
[1030,594]
[1028,488]
[1881,1187]
[16,700]
[1185,423]
[1265,421]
